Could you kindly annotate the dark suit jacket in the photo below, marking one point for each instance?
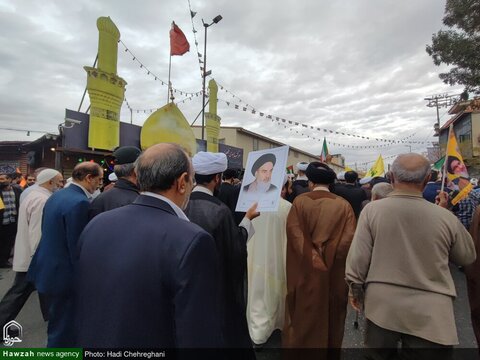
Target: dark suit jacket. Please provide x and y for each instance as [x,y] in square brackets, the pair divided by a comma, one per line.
[147,278]
[228,194]
[64,216]
[123,193]
[231,242]
[353,194]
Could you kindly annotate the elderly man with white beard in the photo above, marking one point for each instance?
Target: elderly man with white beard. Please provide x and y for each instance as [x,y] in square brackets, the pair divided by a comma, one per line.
[28,236]
[262,169]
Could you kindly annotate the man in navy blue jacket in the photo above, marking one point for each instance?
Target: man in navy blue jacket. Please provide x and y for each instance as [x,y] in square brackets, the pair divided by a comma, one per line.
[153,281]
[52,268]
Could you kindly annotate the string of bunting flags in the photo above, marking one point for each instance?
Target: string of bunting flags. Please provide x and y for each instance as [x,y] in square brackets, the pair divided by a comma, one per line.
[243,106]
[223,88]
[138,110]
[385,146]
[285,121]
[152,109]
[192,15]
[369,162]
[157,78]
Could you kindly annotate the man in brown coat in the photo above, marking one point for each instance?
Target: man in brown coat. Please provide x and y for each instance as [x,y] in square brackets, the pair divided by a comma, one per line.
[320,228]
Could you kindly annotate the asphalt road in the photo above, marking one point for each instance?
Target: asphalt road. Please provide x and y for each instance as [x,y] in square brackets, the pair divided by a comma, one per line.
[35,329]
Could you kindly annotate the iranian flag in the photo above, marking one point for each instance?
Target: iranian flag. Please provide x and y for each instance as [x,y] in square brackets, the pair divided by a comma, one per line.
[324,153]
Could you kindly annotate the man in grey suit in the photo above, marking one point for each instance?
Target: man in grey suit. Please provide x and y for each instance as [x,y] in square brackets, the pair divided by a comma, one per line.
[399,260]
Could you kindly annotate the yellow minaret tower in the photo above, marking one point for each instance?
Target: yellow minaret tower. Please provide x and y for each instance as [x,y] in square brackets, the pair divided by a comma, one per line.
[212,119]
[106,89]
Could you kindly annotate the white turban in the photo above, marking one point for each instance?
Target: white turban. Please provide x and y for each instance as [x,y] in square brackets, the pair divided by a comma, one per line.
[46,175]
[207,163]
[302,166]
[365,180]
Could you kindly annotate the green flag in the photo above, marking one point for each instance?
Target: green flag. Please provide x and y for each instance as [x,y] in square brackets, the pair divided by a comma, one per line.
[438,164]
[323,155]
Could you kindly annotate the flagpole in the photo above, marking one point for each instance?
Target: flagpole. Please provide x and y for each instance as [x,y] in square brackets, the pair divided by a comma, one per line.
[446,160]
[169,73]
[169,69]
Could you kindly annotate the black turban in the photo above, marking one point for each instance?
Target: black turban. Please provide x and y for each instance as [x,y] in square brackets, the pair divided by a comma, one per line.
[320,173]
[263,160]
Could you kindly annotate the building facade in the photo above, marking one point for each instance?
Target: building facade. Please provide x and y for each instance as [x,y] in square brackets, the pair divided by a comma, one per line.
[466,125]
[250,141]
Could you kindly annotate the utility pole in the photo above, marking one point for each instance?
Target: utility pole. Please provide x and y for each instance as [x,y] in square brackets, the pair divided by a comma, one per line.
[438,101]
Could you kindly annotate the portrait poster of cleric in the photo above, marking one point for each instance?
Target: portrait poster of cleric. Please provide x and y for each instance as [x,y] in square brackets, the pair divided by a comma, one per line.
[263,179]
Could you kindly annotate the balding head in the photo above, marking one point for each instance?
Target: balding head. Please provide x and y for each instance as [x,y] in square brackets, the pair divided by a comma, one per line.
[410,169]
[89,175]
[160,165]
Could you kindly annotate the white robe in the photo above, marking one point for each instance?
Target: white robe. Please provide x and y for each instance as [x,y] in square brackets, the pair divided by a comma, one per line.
[266,273]
[29,230]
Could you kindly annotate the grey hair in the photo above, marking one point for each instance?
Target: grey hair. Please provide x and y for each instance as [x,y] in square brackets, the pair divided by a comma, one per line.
[160,172]
[124,170]
[381,190]
[406,175]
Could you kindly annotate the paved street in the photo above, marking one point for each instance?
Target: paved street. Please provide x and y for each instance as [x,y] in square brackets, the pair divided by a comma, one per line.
[34,328]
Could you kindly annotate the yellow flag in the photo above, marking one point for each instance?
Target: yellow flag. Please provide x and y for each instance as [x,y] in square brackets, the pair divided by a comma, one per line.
[456,170]
[347,168]
[2,205]
[455,166]
[378,169]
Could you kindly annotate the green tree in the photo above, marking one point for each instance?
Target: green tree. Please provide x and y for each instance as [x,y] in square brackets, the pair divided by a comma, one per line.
[459,47]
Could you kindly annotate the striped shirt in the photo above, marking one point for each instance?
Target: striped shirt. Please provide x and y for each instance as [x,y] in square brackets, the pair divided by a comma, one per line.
[10,212]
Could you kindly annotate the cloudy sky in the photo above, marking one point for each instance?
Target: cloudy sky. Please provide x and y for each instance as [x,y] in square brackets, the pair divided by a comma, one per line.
[356,67]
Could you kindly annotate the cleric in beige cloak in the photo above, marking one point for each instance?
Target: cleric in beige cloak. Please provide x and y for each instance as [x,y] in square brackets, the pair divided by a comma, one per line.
[266,273]
[320,228]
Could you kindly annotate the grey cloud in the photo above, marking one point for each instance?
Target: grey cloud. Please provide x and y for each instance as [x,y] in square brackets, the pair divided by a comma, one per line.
[349,66]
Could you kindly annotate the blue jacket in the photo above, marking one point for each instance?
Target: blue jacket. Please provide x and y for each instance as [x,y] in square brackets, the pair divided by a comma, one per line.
[147,278]
[431,191]
[64,216]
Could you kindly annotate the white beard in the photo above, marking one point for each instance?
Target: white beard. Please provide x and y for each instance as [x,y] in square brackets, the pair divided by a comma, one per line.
[263,186]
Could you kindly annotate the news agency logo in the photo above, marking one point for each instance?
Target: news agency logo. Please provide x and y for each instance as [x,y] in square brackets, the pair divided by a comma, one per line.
[12,333]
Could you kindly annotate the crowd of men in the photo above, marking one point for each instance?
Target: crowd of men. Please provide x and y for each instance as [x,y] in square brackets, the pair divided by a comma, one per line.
[181,269]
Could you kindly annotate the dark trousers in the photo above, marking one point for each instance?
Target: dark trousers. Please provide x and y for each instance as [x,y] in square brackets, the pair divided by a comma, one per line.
[7,239]
[14,300]
[472,273]
[383,344]
[61,321]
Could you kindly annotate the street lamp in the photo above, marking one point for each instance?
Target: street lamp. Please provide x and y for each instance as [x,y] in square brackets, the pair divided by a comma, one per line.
[410,147]
[215,20]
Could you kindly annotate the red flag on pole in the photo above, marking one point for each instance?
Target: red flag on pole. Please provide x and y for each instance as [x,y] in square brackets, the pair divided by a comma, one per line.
[178,42]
